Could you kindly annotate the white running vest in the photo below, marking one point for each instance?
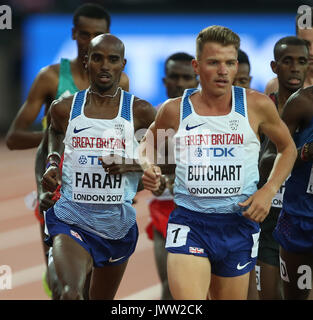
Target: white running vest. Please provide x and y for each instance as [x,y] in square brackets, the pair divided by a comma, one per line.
[216,157]
[91,198]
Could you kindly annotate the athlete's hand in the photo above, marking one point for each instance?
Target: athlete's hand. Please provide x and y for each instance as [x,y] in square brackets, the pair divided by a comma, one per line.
[115,164]
[51,178]
[161,188]
[258,205]
[151,178]
[170,183]
[45,201]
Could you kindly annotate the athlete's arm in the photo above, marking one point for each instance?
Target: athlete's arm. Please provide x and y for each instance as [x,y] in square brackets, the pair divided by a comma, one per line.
[41,92]
[266,118]
[272,86]
[44,196]
[165,125]
[144,114]
[297,113]
[60,111]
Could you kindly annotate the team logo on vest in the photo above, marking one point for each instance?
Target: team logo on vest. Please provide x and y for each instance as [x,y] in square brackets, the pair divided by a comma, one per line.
[119,129]
[82,159]
[233,124]
[198,152]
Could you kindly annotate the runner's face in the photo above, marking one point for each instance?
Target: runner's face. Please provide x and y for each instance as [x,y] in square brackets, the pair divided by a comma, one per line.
[242,78]
[217,67]
[105,64]
[86,30]
[292,66]
[179,76]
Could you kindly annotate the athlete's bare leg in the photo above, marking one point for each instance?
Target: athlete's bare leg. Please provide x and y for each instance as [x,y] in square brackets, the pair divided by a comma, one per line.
[160,254]
[296,272]
[252,290]
[270,282]
[189,276]
[44,246]
[229,288]
[105,281]
[72,264]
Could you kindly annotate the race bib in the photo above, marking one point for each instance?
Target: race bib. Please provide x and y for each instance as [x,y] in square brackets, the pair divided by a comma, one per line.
[277,201]
[215,171]
[91,184]
[176,235]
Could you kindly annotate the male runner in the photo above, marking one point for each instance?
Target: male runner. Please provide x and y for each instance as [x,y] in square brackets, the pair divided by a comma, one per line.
[294,228]
[243,78]
[290,65]
[306,34]
[93,225]
[54,82]
[212,235]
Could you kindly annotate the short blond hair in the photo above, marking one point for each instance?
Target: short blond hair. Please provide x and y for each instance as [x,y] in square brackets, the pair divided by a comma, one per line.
[218,34]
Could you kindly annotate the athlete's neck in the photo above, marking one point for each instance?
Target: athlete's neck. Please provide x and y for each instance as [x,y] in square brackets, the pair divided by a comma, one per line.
[217,104]
[103,97]
[78,66]
[283,95]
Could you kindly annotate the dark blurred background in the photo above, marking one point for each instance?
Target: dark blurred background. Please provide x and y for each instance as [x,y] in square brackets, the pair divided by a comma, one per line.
[11,41]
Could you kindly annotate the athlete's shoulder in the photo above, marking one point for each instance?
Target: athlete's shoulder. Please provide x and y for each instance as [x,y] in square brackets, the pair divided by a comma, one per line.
[60,111]
[171,105]
[50,71]
[300,103]
[256,99]
[141,102]
[272,86]
[48,77]
[63,104]
[168,115]
[141,105]
[45,85]
[144,113]
[302,95]
[261,108]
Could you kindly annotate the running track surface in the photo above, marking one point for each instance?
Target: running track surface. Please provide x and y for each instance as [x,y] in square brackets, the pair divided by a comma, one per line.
[20,244]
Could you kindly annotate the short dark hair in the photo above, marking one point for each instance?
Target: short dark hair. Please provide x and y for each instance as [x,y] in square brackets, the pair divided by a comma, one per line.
[179,56]
[91,10]
[289,41]
[243,57]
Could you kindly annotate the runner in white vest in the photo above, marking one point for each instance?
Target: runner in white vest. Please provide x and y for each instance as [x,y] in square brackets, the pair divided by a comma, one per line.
[93,225]
[212,235]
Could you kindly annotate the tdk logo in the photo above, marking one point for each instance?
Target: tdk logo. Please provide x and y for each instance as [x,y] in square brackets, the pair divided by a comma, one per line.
[93,160]
[219,152]
[82,160]
[198,152]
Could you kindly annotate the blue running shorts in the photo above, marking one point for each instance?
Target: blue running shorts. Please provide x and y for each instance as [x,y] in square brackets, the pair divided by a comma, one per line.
[229,241]
[103,251]
[294,233]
